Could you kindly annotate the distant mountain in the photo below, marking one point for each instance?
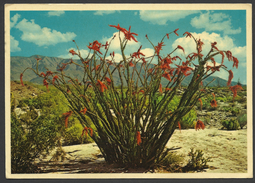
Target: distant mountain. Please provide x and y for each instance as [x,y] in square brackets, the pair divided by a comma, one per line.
[19,64]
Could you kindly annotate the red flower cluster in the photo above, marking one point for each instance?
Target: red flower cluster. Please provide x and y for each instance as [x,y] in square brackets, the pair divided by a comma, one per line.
[230,77]
[199,125]
[201,103]
[54,78]
[138,138]
[95,46]
[179,125]
[85,129]
[45,83]
[234,89]
[83,111]
[67,115]
[138,53]
[101,85]
[159,47]
[128,34]
[21,81]
[214,102]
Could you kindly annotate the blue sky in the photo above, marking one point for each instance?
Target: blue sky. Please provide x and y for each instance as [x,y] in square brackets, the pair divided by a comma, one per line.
[50,33]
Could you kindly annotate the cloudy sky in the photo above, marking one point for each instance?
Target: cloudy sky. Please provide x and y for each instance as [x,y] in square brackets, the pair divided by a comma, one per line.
[50,33]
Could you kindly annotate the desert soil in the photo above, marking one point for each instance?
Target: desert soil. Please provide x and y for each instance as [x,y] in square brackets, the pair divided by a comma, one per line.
[227,149]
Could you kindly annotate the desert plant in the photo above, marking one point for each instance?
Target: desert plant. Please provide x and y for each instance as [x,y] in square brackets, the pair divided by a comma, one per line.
[231,124]
[242,120]
[126,131]
[33,136]
[197,162]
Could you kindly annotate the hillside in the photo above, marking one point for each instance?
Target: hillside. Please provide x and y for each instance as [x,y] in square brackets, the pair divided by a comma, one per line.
[18,64]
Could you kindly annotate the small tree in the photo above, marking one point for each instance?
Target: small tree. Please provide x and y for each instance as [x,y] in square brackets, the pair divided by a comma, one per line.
[130,125]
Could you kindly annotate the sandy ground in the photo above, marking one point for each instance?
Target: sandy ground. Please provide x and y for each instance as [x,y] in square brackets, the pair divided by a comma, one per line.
[227,149]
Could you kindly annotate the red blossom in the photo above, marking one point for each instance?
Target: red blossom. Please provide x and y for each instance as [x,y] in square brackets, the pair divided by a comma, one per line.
[199,125]
[168,89]
[234,89]
[221,52]
[138,53]
[83,111]
[230,77]
[129,35]
[96,68]
[95,46]
[174,58]
[214,102]
[138,138]
[179,125]
[106,44]
[184,69]
[188,34]
[167,76]
[229,55]
[235,62]
[37,59]
[131,64]
[45,83]
[119,28]
[144,61]
[108,80]
[67,115]
[73,52]
[21,81]
[199,45]
[167,35]
[213,61]
[142,91]
[101,85]
[54,78]
[160,88]
[175,31]
[201,103]
[42,73]
[213,46]
[179,47]
[159,47]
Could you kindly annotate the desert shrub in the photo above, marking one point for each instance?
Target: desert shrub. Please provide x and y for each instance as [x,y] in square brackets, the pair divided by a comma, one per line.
[73,136]
[187,121]
[242,120]
[221,99]
[32,135]
[171,162]
[127,132]
[197,161]
[231,124]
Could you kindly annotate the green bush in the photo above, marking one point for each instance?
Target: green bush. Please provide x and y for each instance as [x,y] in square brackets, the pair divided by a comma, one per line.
[73,136]
[242,120]
[197,162]
[32,135]
[231,124]
[187,121]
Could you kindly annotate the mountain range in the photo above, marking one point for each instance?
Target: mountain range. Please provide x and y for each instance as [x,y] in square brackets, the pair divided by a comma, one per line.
[19,64]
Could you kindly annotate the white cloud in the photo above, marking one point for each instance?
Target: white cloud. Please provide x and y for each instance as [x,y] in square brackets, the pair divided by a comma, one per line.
[84,54]
[14,20]
[160,17]
[105,12]
[42,36]
[117,57]
[55,13]
[14,44]
[223,43]
[214,22]
[131,47]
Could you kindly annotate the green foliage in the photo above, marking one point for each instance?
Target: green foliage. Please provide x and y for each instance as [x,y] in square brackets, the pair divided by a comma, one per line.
[72,135]
[234,110]
[231,124]
[242,120]
[187,121]
[197,162]
[221,99]
[32,135]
